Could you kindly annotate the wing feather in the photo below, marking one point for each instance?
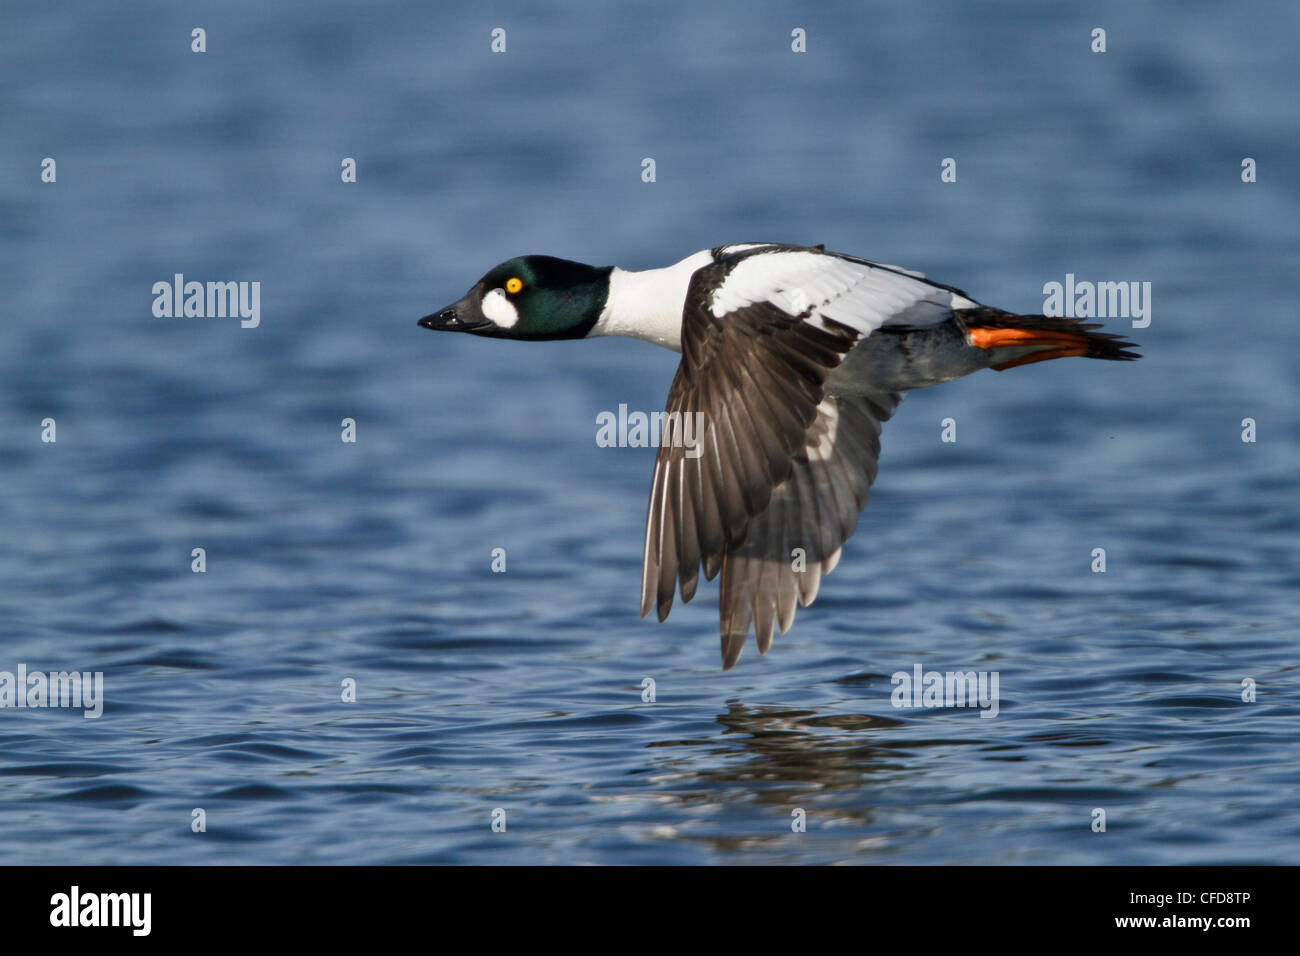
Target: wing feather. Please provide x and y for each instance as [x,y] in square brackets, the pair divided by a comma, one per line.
[776,463]
[816,510]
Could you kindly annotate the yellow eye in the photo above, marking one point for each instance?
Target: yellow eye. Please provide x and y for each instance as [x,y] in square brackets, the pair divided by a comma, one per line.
[514,284]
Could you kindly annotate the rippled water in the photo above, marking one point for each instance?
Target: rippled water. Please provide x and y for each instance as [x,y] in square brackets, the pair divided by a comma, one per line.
[522,691]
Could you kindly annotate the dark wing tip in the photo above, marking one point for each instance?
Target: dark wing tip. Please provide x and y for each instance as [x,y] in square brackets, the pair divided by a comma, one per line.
[663,606]
[732,646]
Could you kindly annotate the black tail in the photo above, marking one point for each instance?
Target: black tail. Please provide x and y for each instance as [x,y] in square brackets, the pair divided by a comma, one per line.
[1055,337]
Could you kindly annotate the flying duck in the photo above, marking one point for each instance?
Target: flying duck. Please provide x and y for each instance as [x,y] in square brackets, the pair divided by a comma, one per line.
[795,356]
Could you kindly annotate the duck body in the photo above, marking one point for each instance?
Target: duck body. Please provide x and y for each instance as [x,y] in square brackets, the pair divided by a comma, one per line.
[794,357]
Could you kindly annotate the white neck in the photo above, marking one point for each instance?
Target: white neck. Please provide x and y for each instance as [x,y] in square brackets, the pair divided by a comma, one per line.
[648,305]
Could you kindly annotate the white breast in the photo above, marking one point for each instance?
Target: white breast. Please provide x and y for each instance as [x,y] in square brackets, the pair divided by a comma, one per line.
[648,305]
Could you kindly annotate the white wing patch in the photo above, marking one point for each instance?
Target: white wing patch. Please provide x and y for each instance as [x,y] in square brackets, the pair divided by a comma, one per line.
[500,309]
[856,294]
[742,247]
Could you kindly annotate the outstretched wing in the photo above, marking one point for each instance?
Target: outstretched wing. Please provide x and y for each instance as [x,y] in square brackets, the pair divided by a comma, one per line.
[811,514]
[745,393]
[761,329]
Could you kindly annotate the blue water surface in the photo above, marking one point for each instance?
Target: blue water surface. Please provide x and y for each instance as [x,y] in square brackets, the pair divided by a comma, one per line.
[522,691]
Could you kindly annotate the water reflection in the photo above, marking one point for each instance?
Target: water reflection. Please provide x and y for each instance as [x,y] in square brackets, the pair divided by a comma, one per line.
[800,751]
[844,770]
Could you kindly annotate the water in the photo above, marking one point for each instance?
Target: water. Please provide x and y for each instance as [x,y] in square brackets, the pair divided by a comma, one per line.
[522,691]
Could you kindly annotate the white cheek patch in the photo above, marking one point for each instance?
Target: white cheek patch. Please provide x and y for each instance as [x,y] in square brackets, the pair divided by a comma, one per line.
[500,309]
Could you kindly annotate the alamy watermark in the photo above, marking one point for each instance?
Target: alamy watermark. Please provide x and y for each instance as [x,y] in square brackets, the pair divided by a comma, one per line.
[210,300]
[1099,300]
[641,430]
[951,689]
[75,908]
[23,689]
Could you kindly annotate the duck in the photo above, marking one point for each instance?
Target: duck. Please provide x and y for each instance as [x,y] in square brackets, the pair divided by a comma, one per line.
[792,359]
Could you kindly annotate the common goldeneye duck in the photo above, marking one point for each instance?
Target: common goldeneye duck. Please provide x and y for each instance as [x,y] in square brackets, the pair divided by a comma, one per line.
[794,356]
